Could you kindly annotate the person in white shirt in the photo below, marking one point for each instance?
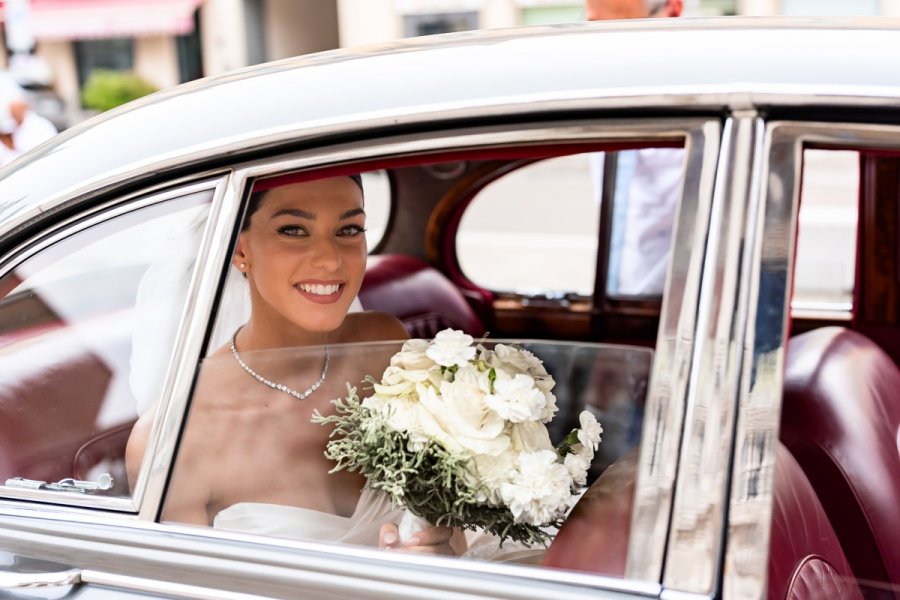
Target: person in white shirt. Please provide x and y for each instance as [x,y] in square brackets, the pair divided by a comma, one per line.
[647,184]
[32,129]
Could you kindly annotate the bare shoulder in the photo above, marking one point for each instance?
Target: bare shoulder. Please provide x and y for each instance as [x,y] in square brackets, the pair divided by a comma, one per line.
[372,326]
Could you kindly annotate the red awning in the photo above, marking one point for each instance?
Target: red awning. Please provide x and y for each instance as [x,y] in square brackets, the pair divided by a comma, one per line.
[85,19]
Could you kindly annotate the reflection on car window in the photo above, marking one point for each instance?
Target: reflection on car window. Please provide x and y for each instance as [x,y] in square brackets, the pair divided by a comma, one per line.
[67,317]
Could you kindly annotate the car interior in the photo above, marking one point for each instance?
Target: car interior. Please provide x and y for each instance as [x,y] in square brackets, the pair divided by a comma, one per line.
[837,484]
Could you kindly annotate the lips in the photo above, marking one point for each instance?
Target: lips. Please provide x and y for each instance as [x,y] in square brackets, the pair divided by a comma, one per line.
[321,292]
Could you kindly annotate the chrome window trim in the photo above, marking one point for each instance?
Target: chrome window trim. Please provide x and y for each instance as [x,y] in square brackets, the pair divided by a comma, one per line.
[772,243]
[696,531]
[692,129]
[667,390]
[188,348]
[699,99]
[99,214]
[152,552]
[45,239]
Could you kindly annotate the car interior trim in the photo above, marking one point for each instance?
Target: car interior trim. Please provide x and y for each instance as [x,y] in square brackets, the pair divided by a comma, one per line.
[695,539]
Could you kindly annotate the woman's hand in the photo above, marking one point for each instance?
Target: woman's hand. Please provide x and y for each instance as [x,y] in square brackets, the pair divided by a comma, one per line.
[431,540]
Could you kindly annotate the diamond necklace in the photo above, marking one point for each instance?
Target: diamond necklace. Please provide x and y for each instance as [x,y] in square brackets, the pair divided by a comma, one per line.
[280,386]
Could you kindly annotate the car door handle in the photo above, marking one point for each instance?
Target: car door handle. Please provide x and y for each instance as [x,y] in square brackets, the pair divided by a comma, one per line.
[12,581]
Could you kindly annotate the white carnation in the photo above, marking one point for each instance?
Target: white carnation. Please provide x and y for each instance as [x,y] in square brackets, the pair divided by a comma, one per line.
[451,347]
[516,399]
[492,472]
[578,466]
[521,360]
[540,493]
[589,434]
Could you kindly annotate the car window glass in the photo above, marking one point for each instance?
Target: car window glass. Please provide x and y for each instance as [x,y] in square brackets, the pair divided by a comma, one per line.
[534,230]
[252,458]
[825,265]
[70,318]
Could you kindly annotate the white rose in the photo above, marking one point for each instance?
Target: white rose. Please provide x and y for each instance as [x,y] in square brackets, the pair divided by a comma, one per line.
[459,420]
[530,436]
[541,489]
[589,434]
[516,399]
[451,348]
[522,360]
[578,466]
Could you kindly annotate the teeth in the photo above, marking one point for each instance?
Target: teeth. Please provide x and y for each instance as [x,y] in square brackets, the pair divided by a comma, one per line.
[320,289]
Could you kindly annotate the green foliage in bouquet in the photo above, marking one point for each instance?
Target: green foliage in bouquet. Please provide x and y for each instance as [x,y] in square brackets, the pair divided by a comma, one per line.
[106,89]
[432,483]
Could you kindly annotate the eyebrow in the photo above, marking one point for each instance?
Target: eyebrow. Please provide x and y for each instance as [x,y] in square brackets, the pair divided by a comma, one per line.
[297,212]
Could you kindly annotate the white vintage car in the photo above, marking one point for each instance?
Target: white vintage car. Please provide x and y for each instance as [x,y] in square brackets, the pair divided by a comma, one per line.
[694,224]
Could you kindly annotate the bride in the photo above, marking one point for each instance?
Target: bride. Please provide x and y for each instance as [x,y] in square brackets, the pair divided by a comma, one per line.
[250,458]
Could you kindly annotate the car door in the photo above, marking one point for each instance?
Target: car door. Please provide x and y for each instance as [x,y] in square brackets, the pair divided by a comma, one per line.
[122,542]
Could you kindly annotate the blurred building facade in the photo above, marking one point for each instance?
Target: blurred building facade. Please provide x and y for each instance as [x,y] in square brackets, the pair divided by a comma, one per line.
[168,42]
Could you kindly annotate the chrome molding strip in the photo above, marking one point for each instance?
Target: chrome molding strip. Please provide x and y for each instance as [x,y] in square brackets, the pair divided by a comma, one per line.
[213,254]
[771,247]
[153,558]
[713,97]
[696,532]
[665,404]
[104,212]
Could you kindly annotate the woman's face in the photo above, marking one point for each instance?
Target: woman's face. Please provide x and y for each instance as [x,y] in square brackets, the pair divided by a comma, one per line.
[304,253]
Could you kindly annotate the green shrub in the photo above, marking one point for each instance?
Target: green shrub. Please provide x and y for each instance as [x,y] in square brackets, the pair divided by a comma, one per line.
[108,89]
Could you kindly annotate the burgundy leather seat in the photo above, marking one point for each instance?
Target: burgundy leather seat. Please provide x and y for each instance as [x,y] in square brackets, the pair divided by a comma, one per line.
[840,419]
[805,559]
[417,294]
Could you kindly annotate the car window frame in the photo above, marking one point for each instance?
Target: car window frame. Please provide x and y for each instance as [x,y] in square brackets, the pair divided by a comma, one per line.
[33,245]
[664,398]
[772,233]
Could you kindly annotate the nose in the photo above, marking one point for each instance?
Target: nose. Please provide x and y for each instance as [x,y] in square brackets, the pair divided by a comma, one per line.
[326,255]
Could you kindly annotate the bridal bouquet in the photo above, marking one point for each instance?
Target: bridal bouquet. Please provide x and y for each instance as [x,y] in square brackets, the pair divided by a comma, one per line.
[455,433]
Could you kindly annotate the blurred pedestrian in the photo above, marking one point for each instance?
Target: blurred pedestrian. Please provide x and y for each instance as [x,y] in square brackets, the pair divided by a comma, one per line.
[31,128]
[647,186]
[8,126]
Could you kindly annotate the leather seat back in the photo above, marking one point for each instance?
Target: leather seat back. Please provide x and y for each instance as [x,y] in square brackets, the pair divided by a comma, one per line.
[841,420]
[806,561]
[417,294]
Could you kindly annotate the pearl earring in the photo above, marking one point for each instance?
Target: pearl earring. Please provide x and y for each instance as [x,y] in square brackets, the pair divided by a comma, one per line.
[242,266]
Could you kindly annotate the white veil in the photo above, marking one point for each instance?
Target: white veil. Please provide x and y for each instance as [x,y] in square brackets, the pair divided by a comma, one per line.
[160,303]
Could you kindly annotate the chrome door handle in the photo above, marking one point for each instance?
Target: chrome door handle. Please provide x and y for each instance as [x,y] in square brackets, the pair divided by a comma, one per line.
[12,581]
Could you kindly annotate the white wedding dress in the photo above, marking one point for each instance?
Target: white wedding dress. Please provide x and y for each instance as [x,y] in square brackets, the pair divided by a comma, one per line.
[361,528]
[372,511]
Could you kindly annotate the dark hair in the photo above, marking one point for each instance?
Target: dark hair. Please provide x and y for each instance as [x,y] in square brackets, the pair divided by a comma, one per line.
[256,199]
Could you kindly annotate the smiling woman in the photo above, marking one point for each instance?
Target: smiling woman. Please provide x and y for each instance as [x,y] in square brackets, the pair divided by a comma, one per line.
[302,250]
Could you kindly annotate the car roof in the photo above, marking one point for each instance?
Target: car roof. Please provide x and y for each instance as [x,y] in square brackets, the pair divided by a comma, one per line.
[701,64]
